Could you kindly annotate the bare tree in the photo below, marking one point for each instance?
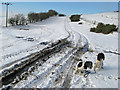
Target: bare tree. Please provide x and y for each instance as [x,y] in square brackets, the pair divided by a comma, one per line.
[11,21]
[22,20]
[19,19]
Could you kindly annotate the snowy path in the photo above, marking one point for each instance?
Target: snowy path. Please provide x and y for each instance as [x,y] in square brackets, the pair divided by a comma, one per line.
[59,73]
[63,62]
[26,62]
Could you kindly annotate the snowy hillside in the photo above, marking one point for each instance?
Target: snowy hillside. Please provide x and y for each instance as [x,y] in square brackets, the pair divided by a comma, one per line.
[56,69]
[20,41]
[106,18]
[99,43]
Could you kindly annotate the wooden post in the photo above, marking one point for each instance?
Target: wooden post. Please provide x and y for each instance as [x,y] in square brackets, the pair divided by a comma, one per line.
[7,11]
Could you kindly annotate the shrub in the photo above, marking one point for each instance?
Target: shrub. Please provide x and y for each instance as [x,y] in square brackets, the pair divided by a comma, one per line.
[31,17]
[92,30]
[109,28]
[105,29]
[100,25]
[19,19]
[23,20]
[52,13]
[62,15]
[35,17]
[75,18]
[98,30]
[11,21]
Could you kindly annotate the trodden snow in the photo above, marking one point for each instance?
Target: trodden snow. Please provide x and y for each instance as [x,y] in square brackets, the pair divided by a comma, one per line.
[18,43]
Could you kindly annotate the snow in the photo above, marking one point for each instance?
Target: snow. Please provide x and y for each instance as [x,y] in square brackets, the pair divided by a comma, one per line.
[44,70]
[108,77]
[106,18]
[44,76]
[16,44]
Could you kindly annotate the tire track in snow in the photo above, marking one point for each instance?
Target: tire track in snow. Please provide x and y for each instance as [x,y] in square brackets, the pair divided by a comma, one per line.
[45,74]
[75,38]
[63,74]
[68,78]
[58,74]
[69,75]
[54,49]
[69,71]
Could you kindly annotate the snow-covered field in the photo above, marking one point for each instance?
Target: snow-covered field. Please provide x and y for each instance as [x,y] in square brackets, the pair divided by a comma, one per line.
[98,43]
[106,18]
[20,41]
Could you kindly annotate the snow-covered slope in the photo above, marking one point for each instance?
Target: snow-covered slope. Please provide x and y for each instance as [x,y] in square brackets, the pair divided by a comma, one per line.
[106,18]
[20,41]
[108,77]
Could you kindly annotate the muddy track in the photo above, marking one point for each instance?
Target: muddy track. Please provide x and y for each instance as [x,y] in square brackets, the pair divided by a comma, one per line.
[70,71]
[9,75]
[67,59]
[45,74]
[68,78]
[60,75]
[79,52]
[65,63]
[63,73]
